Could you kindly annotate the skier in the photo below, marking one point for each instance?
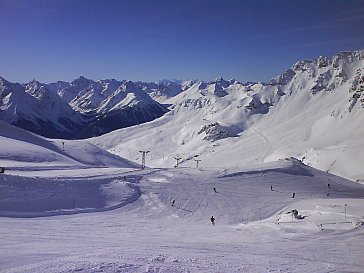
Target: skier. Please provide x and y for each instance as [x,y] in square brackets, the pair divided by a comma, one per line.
[293,195]
[215,190]
[173,202]
[328,185]
[271,187]
[212,219]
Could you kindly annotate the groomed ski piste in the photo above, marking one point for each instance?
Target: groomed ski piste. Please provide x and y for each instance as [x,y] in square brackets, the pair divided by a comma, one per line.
[69,206]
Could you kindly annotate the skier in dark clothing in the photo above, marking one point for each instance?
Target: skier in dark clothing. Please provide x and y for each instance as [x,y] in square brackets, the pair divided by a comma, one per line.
[271,187]
[212,219]
[173,202]
[293,195]
[215,190]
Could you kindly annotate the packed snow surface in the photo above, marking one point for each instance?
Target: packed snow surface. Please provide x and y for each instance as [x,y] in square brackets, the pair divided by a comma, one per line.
[82,209]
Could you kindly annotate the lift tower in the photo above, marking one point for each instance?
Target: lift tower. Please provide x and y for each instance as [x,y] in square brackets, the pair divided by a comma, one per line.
[143,158]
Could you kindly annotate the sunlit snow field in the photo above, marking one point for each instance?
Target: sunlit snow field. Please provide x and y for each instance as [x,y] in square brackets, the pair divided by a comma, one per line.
[115,217]
[264,150]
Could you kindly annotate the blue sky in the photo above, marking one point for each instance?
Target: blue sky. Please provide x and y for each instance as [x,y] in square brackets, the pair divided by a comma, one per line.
[251,40]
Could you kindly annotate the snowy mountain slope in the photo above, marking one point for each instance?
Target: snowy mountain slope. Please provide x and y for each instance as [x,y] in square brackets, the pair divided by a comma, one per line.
[184,185]
[163,91]
[22,149]
[313,111]
[85,95]
[148,232]
[79,109]
[325,114]
[35,108]
[126,106]
[79,208]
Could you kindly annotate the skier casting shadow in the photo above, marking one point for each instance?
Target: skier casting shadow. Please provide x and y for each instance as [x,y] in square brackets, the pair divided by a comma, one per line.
[212,219]
[215,191]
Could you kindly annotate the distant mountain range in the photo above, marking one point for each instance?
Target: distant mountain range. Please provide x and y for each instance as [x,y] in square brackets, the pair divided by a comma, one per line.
[80,109]
[314,111]
[84,108]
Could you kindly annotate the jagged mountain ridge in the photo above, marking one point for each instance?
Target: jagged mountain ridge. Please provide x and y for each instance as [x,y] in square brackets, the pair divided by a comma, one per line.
[115,104]
[313,111]
[85,108]
[34,108]
[80,109]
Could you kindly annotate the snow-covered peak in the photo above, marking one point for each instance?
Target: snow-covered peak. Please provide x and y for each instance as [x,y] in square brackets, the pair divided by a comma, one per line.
[3,81]
[218,79]
[81,82]
[4,84]
[36,89]
[221,82]
[306,112]
[187,84]
[83,103]
[343,57]
[222,101]
[59,85]
[168,82]
[128,94]
[129,86]
[163,91]
[283,78]
[109,85]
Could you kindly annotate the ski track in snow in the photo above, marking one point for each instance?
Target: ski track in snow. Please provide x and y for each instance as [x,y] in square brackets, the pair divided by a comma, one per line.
[148,234]
[29,197]
[266,140]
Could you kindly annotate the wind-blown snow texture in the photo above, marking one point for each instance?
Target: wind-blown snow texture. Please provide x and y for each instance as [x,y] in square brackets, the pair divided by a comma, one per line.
[84,206]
